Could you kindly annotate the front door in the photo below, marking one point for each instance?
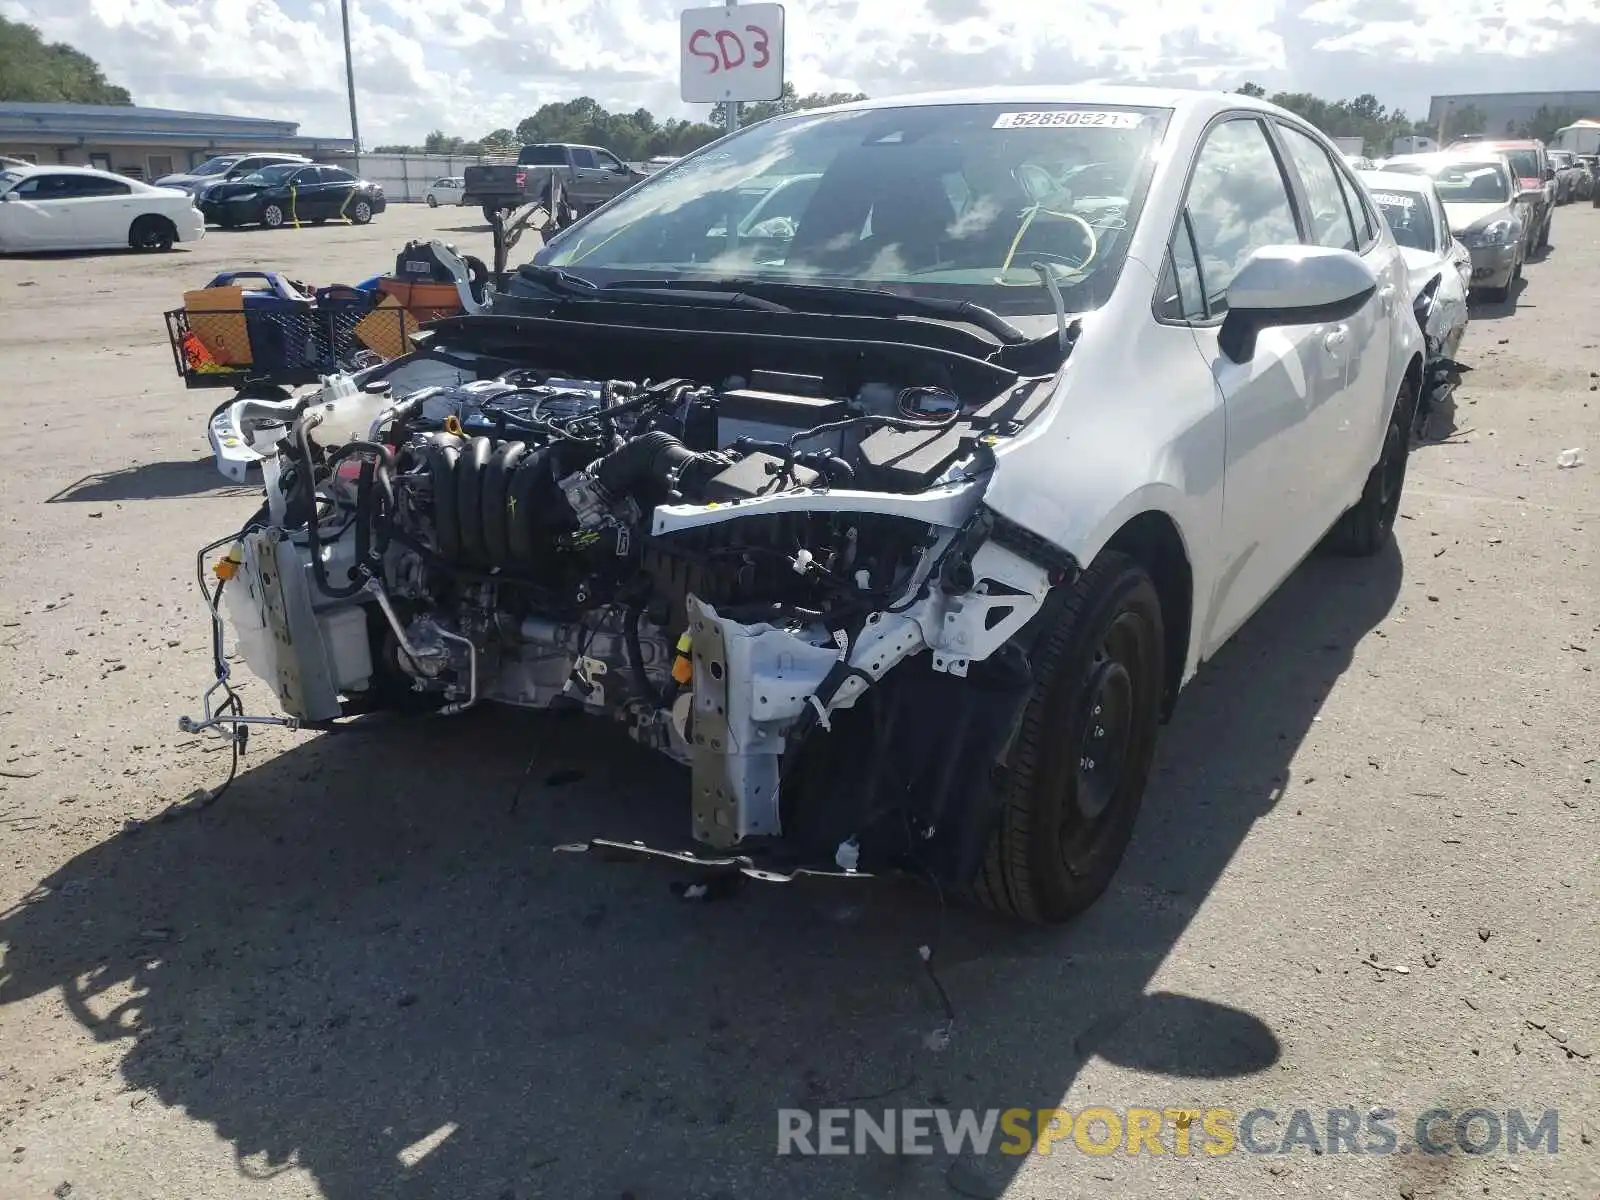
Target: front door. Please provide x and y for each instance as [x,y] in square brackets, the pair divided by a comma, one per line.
[41,216]
[1239,202]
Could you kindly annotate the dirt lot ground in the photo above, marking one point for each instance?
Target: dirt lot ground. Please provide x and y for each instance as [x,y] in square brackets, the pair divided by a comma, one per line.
[1366,874]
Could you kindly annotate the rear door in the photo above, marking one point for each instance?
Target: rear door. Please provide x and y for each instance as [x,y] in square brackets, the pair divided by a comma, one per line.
[1239,200]
[588,183]
[338,190]
[102,210]
[1349,423]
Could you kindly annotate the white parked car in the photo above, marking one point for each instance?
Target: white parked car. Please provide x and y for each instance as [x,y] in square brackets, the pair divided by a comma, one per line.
[446,190]
[902,524]
[80,208]
[1440,270]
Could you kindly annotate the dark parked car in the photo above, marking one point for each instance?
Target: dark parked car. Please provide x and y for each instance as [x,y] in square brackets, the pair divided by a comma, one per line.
[290,194]
[588,175]
[224,168]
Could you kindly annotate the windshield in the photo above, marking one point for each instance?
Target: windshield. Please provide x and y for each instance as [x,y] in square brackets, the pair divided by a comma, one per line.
[271,176]
[950,201]
[1409,216]
[215,166]
[1463,182]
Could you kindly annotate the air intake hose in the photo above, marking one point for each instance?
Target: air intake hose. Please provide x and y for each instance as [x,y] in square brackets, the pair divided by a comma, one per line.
[645,467]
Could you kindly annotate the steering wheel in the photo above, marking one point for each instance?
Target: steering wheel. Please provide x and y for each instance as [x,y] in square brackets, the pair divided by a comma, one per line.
[1027,220]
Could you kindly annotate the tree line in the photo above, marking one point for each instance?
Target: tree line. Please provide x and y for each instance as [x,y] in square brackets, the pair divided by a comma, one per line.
[1378,126]
[632,136]
[36,71]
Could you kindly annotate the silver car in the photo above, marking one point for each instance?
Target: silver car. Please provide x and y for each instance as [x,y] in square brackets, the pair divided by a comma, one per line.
[1480,198]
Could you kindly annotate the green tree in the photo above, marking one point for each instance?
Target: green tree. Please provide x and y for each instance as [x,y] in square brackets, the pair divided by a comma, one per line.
[1252,89]
[790,101]
[1458,122]
[32,69]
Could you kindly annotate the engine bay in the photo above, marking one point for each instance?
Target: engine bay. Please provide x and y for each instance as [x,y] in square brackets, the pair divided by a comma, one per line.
[722,567]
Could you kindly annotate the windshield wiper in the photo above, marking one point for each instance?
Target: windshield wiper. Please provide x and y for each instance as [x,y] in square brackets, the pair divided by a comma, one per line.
[855,301]
[569,284]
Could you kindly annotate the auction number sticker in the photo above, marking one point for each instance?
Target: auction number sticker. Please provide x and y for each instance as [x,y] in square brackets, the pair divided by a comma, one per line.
[1394,200]
[1068,118]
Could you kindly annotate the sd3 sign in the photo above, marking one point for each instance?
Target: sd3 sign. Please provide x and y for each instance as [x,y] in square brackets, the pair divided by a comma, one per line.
[731,53]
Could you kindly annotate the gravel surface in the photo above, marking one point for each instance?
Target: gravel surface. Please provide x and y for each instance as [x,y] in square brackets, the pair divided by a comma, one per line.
[1365,875]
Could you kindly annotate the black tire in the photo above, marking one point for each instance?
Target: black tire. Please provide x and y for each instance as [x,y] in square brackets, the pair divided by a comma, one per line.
[361,211]
[432,201]
[153,234]
[1082,755]
[272,216]
[1366,528]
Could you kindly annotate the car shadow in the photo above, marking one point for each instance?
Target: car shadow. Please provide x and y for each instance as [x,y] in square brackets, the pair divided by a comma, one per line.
[1481,308]
[152,481]
[367,961]
[119,252]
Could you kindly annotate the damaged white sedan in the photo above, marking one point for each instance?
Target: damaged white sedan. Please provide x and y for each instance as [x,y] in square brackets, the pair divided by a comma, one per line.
[900,521]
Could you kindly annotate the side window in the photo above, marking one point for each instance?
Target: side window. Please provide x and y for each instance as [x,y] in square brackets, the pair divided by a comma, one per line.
[49,187]
[581,157]
[1330,221]
[91,185]
[1360,212]
[1179,296]
[1238,203]
[335,175]
[607,161]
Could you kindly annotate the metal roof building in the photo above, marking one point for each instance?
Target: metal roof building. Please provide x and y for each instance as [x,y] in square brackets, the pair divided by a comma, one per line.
[1505,111]
[144,143]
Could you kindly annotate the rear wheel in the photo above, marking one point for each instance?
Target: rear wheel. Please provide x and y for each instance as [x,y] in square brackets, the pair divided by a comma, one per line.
[152,233]
[1082,754]
[1366,528]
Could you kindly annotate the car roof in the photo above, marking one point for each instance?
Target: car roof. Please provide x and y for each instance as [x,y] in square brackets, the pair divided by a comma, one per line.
[1396,181]
[63,169]
[1187,99]
[1441,157]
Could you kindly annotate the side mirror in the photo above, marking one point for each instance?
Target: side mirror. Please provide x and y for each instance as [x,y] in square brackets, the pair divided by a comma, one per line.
[1292,285]
[11,196]
[1549,174]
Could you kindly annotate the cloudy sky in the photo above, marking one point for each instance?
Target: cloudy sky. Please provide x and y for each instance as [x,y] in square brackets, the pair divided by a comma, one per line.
[469,65]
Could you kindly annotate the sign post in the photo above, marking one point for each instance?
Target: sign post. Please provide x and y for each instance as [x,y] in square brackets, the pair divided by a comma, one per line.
[731,55]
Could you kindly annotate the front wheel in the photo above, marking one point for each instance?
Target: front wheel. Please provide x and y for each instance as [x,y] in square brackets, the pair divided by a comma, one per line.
[361,212]
[1082,754]
[1366,527]
[432,201]
[272,216]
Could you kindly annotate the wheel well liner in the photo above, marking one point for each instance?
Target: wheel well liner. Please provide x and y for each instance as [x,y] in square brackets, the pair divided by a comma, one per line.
[1152,539]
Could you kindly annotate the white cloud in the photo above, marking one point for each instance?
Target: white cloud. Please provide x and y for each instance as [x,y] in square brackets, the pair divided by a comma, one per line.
[467,66]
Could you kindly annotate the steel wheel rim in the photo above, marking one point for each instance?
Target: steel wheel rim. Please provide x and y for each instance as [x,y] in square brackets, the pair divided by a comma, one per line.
[1104,752]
